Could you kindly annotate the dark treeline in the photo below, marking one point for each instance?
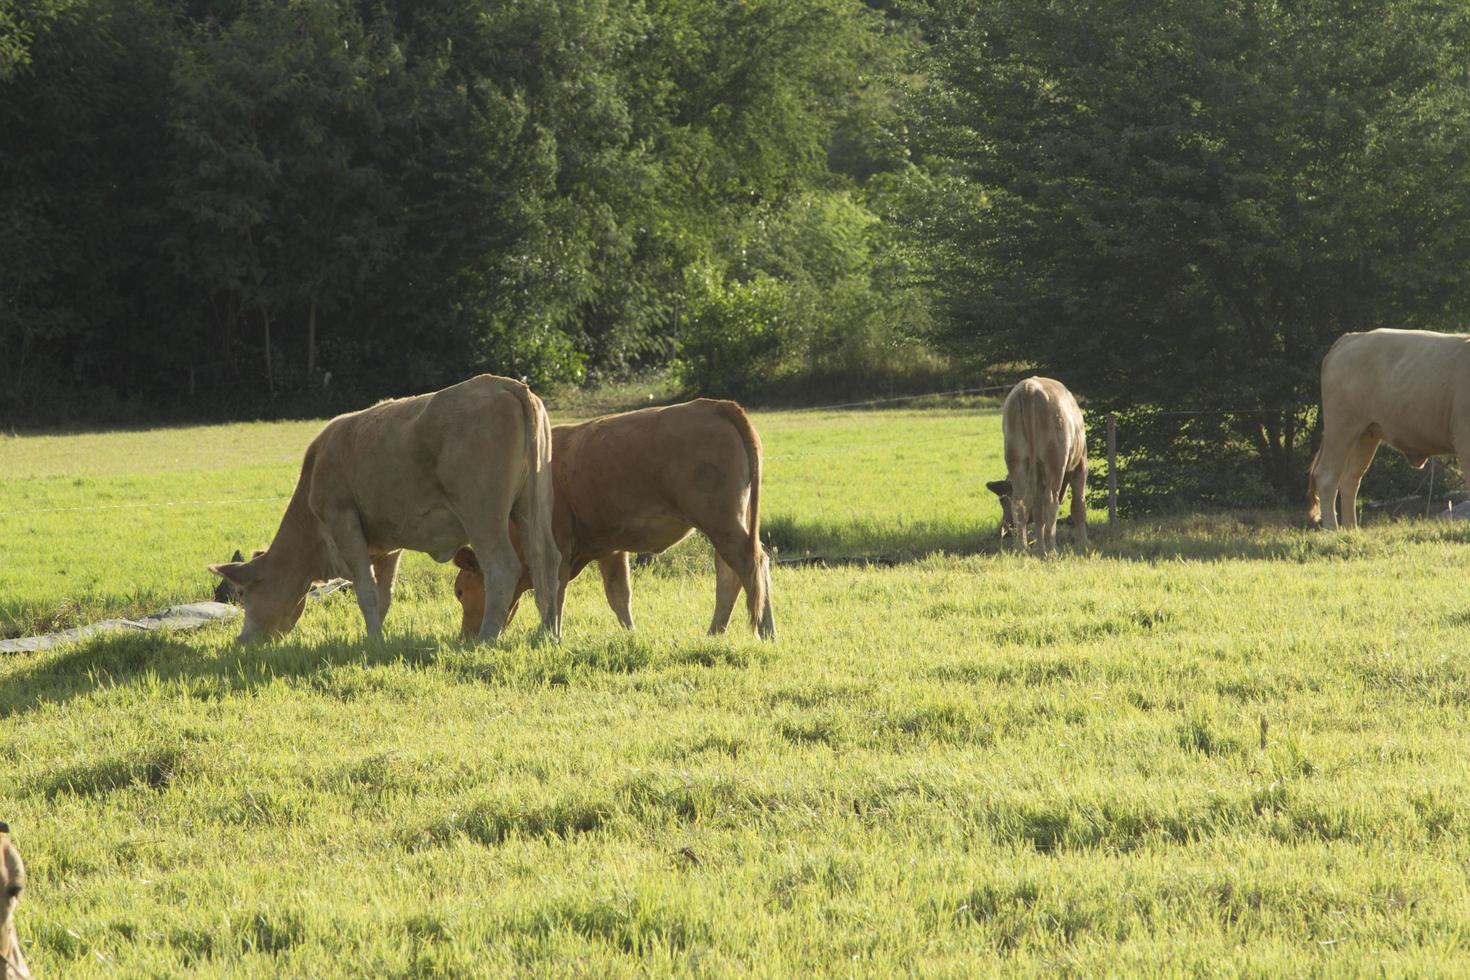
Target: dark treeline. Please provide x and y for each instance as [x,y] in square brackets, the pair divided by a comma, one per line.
[206,206]
[210,199]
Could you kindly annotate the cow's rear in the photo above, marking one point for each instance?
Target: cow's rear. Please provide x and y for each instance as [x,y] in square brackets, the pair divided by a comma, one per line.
[1045,451]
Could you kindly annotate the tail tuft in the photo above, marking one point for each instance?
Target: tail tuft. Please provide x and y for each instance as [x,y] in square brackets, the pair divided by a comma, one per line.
[1314,505]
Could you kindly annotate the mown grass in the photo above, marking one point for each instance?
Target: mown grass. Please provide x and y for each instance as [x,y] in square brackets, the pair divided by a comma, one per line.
[1213,745]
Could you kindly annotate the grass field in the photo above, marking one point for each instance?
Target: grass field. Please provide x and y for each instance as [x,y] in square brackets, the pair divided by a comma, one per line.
[1210,745]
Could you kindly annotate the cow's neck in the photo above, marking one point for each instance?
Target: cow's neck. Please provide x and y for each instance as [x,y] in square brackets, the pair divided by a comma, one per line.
[298,550]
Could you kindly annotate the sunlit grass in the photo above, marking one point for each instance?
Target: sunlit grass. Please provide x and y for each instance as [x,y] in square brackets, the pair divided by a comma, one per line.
[1211,745]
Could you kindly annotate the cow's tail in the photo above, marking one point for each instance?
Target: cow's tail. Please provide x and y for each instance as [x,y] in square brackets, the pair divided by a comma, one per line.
[1314,505]
[537,537]
[757,589]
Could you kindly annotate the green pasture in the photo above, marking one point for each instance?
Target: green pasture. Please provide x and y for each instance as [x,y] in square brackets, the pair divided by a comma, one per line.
[1209,746]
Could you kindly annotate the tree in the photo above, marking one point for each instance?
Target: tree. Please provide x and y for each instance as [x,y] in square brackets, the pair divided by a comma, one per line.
[82,99]
[1179,204]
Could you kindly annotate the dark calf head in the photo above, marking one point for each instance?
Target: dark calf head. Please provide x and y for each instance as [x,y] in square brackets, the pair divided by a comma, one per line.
[1002,489]
[227,591]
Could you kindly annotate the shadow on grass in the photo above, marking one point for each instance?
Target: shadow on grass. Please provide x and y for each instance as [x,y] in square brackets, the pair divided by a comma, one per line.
[856,539]
[119,659]
[1222,536]
[128,661]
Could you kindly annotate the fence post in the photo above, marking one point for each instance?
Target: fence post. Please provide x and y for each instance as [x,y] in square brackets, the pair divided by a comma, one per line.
[1112,469]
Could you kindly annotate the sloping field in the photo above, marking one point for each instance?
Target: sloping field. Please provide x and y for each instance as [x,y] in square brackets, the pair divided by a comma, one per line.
[1209,746]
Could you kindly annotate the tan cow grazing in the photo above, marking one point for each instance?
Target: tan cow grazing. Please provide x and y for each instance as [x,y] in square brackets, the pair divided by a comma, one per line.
[426,473]
[1408,388]
[1046,452]
[12,883]
[642,482]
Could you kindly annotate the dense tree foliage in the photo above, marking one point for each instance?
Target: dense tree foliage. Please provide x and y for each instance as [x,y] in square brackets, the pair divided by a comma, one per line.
[1173,205]
[1178,205]
[233,198]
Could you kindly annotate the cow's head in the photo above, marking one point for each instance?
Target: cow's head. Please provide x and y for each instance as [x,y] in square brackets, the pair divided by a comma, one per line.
[1002,489]
[469,589]
[273,598]
[12,883]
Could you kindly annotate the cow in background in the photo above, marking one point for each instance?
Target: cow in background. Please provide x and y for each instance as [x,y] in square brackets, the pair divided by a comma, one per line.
[12,883]
[1408,388]
[642,482]
[427,473]
[1045,452]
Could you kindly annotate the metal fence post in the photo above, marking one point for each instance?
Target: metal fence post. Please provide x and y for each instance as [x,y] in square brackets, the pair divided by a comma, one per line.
[1112,469]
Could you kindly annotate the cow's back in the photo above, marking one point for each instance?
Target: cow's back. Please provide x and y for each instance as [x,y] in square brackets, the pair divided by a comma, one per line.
[635,466]
[1409,387]
[1041,421]
[399,461]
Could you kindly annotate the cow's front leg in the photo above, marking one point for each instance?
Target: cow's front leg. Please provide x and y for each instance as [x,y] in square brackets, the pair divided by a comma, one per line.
[385,571]
[1020,518]
[352,553]
[617,585]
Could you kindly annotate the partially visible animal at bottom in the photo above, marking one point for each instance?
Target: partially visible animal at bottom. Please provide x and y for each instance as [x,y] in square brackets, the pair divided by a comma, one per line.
[642,482]
[1408,388]
[426,473]
[1045,453]
[12,883]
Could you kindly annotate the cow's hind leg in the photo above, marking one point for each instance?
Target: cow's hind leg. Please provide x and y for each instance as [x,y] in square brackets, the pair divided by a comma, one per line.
[487,525]
[1338,440]
[1046,521]
[550,570]
[1358,459]
[734,548]
[617,585]
[501,569]
[727,590]
[1021,517]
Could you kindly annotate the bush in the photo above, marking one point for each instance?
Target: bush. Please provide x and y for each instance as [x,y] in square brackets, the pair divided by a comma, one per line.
[735,336]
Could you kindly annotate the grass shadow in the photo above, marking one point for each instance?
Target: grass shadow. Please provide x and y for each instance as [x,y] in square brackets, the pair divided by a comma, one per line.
[1265,536]
[857,538]
[117,659]
[113,661]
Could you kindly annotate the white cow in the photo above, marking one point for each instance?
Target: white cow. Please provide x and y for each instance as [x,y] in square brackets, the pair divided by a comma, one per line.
[1408,388]
[427,473]
[1046,451]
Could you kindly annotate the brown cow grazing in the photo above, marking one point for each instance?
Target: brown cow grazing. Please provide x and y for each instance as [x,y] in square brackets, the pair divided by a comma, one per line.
[427,473]
[642,482]
[1408,388]
[1046,452]
[12,883]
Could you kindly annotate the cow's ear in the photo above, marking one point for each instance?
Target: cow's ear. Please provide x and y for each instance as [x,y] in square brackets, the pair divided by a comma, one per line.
[465,558]
[237,556]
[1001,488]
[238,573]
[253,555]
